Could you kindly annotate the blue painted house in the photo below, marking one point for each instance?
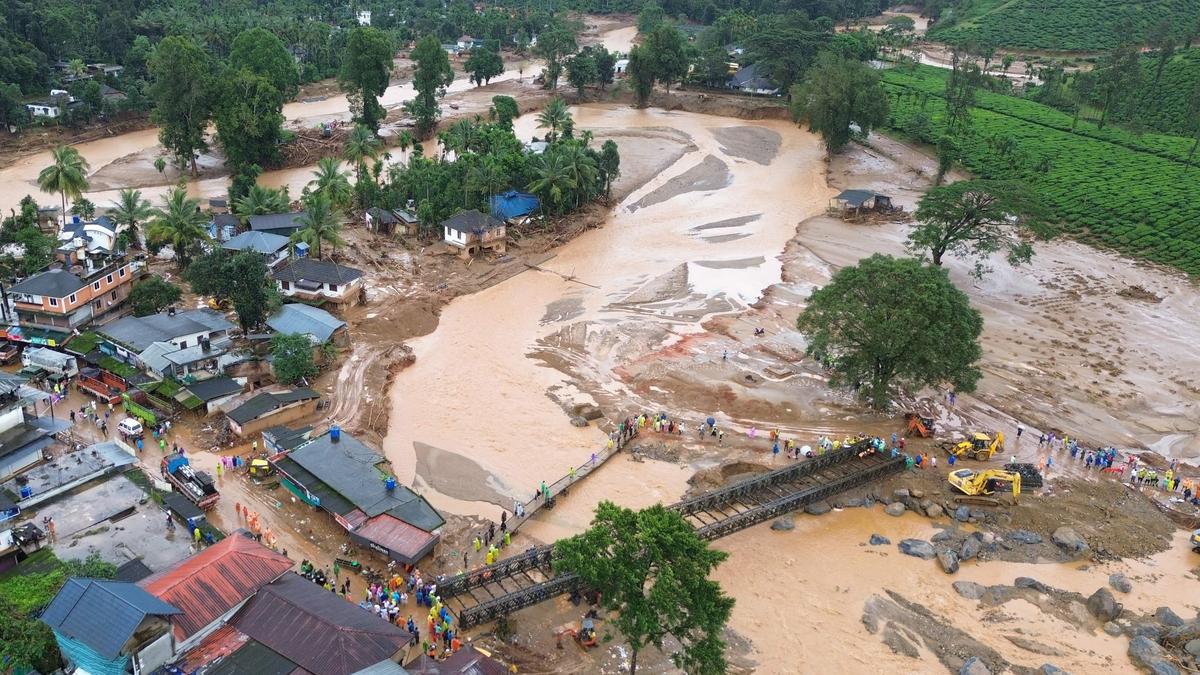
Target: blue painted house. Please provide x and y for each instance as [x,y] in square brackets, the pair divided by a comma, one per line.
[111,627]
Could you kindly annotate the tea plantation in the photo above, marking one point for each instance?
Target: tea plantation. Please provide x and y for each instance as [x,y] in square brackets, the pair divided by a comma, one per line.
[1064,25]
[1106,186]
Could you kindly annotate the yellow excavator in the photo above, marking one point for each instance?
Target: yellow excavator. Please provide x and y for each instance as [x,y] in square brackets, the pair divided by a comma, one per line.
[979,483]
[979,445]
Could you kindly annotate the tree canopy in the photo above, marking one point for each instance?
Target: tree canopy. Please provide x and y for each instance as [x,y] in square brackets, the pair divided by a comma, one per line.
[836,93]
[974,219]
[249,119]
[890,322]
[241,278]
[152,295]
[430,79]
[366,69]
[182,93]
[292,358]
[259,51]
[651,568]
[483,64]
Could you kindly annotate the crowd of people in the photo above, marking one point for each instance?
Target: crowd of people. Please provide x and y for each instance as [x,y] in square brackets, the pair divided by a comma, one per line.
[391,600]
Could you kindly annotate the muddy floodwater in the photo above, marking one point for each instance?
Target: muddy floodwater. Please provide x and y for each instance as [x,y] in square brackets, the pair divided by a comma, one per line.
[641,282]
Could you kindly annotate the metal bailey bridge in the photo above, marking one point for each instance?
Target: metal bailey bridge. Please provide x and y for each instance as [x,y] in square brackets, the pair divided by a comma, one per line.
[527,579]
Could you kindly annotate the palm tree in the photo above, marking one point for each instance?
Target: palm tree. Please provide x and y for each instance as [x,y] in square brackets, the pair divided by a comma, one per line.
[76,67]
[259,201]
[329,180]
[485,178]
[554,117]
[181,224]
[582,169]
[67,175]
[362,144]
[129,210]
[460,138]
[552,179]
[405,141]
[318,224]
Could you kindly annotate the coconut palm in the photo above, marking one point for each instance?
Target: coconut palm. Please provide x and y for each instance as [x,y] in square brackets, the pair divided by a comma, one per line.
[67,175]
[361,144]
[129,211]
[330,181]
[76,67]
[260,201]
[461,137]
[486,178]
[181,224]
[319,223]
[554,117]
[582,169]
[552,179]
[405,141]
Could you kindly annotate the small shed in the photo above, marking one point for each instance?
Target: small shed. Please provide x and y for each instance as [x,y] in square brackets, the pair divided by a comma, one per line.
[391,221]
[859,201]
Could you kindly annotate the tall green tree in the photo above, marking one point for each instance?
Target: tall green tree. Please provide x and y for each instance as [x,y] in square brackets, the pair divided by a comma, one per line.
[889,322]
[130,211]
[259,51]
[430,79]
[366,68]
[153,295]
[251,289]
[37,247]
[66,175]
[650,17]
[552,180]
[555,45]
[1162,39]
[504,110]
[555,116]
[1118,75]
[839,92]
[292,358]
[581,71]
[652,569]
[249,119]
[974,219]
[668,54]
[329,180]
[180,224]
[319,224]
[182,93]
[483,64]
[610,164]
[606,61]
[641,74]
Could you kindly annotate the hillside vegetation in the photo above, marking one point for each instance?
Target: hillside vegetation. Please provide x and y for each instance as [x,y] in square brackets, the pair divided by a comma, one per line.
[1168,104]
[1107,186]
[1063,25]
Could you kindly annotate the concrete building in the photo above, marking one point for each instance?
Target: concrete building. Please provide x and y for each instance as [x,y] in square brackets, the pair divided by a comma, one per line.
[53,303]
[472,232]
[319,281]
[268,409]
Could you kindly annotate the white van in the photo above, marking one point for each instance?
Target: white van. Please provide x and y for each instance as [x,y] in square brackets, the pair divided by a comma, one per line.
[130,427]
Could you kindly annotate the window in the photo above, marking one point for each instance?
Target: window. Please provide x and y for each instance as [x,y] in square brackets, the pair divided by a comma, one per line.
[96,286]
[285,285]
[108,279]
[54,302]
[333,287]
[183,344]
[113,295]
[121,273]
[71,299]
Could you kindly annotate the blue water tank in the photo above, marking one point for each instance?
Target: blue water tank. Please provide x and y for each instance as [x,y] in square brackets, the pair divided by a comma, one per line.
[335,433]
[26,491]
[390,483]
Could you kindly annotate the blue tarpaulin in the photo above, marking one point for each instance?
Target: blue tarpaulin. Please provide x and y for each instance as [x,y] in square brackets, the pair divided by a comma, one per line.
[512,204]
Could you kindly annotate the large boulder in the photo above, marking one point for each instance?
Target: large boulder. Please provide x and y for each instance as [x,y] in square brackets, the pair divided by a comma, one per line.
[1193,648]
[962,514]
[1112,628]
[1167,617]
[901,493]
[918,548]
[1051,669]
[1025,537]
[948,561]
[1148,654]
[1103,605]
[818,509]
[940,536]
[578,421]
[1120,582]
[895,509]
[969,589]
[1029,582]
[974,666]
[1069,541]
[934,511]
[970,548]
[879,540]
[784,524]
[1147,629]
[986,538]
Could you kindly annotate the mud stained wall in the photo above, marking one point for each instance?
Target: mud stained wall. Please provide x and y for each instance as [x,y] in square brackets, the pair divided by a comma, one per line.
[283,415]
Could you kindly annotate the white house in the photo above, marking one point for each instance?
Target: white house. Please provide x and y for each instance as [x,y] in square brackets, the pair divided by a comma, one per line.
[319,281]
[620,66]
[48,109]
[364,17]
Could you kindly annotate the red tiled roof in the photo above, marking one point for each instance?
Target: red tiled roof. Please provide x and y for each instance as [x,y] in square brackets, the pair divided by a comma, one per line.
[397,535]
[317,630]
[215,580]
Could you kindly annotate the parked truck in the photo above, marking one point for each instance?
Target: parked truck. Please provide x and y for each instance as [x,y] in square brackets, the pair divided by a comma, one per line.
[192,483]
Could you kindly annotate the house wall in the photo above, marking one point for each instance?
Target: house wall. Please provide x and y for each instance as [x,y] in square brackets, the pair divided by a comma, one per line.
[42,110]
[11,418]
[454,236]
[97,289]
[18,461]
[283,415]
[155,654]
[349,292]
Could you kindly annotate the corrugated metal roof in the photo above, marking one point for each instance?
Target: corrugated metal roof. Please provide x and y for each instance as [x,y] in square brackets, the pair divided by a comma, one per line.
[466,661]
[395,534]
[215,646]
[253,659]
[102,615]
[215,580]
[267,402]
[316,629]
[305,320]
